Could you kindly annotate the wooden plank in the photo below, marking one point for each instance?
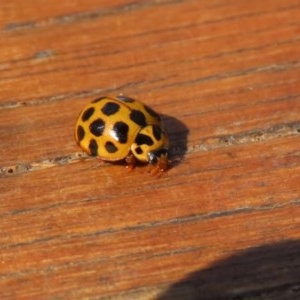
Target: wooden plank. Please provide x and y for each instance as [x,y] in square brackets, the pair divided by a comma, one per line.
[222,222]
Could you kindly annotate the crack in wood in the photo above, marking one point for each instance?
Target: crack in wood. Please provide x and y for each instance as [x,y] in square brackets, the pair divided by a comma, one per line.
[166,222]
[252,136]
[84,16]
[75,95]
[208,144]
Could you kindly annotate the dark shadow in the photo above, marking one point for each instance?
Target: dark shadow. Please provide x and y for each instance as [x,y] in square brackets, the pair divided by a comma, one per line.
[177,133]
[267,272]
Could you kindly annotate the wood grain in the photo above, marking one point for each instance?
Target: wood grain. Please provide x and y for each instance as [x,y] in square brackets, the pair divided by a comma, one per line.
[223,222]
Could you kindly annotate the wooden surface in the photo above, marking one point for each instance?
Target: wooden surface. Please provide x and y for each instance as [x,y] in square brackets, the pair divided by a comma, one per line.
[223,222]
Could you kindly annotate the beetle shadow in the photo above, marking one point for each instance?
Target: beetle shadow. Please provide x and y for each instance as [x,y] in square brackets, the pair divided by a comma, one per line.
[264,272]
[177,132]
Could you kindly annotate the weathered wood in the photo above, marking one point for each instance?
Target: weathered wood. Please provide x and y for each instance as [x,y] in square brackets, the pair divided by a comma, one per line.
[222,222]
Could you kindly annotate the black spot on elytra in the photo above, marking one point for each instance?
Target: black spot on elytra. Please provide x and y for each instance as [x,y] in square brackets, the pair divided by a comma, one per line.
[143,139]
[87,114]
[121,132]
[138,117]
[110,147]
[97,127]
[93,146]
[80,133]
[156,132]
[125,99]
[152,113]
[110,108]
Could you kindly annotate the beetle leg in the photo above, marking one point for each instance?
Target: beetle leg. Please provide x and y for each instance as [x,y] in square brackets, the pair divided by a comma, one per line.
[131,161]
[160,167]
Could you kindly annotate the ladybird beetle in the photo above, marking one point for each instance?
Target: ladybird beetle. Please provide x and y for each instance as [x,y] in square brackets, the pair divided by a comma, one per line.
[117,128]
